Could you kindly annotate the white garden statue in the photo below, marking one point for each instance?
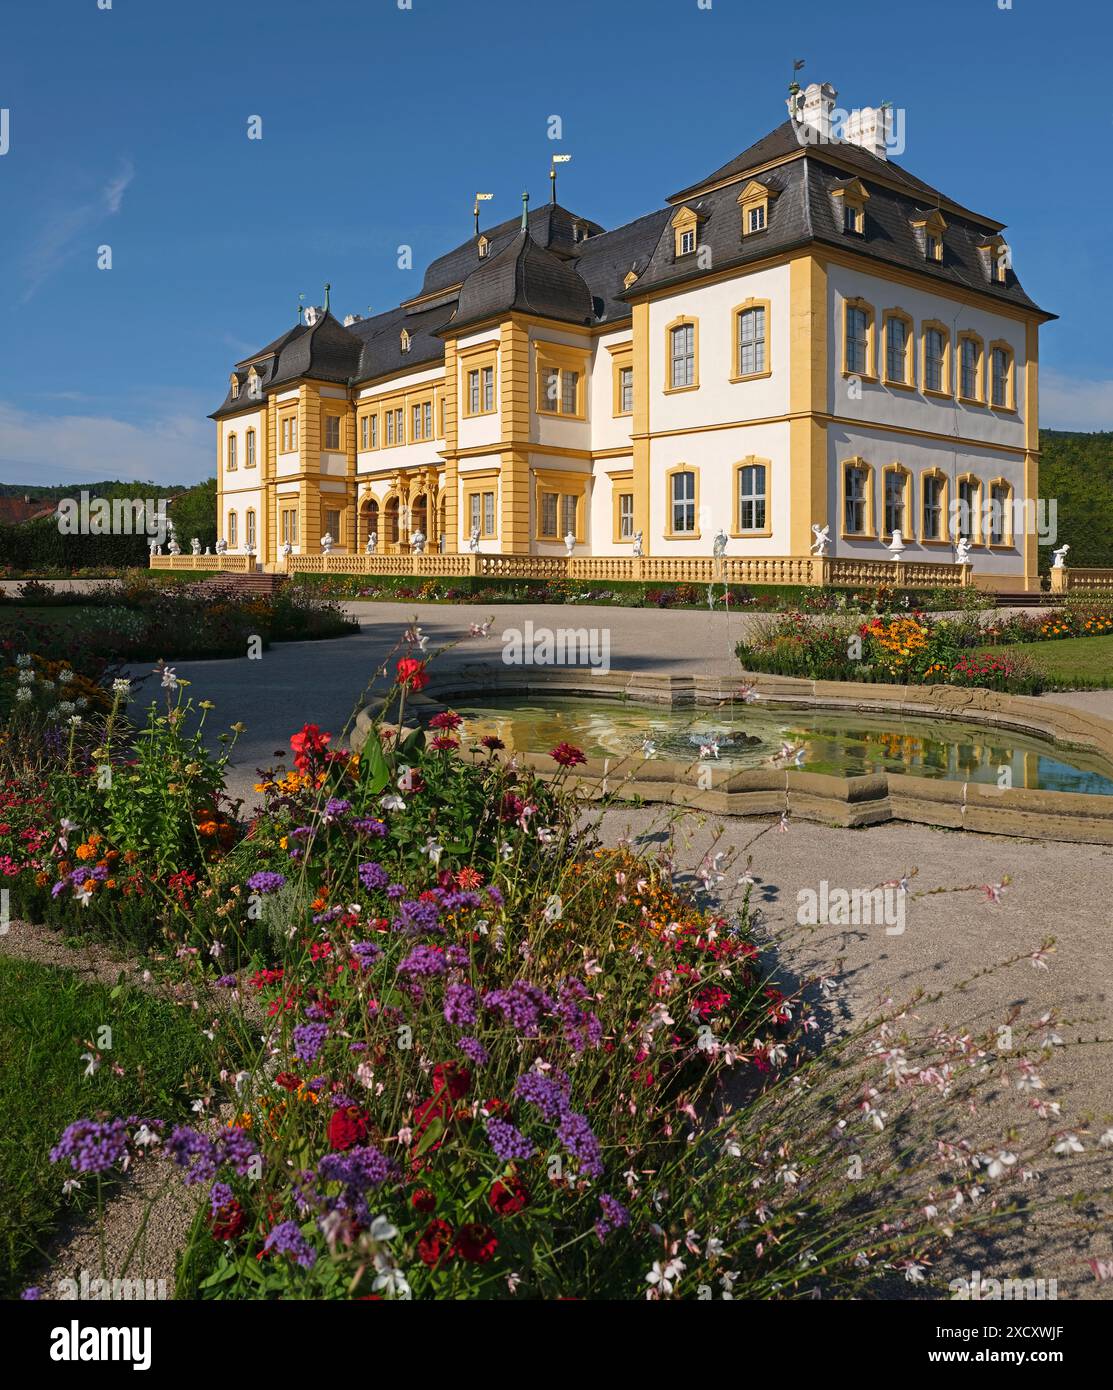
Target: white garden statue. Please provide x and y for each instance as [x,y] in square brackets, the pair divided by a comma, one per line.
[175,548]
[473,540]
[822,540]
[962,550]
[373,543]
[1058,557]
[287,550]
[195,546]
[639,544]
[221,546]
[570,542]
[327,543]
[896,545]
[417,541]
[719,546]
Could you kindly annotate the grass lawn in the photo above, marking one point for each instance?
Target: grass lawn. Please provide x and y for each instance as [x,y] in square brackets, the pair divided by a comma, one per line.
[46,1014]
[1071,662]
[71,615]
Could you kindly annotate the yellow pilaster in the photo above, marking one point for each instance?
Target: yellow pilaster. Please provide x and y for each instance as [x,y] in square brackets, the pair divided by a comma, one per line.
[451,443]
[641,423]
[808,388]
[1031,454]
[514,411]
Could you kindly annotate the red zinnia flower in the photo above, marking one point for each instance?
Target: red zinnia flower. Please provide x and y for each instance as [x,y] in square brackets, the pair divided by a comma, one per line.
[435,1244]
[566,755]
[347,1127]
[287,1080]
[508,1195]
[447,719]
[227,1222]
[454,1076]
[492,742]
[444,744]
[423,1200]
[411,673]
[476,1243]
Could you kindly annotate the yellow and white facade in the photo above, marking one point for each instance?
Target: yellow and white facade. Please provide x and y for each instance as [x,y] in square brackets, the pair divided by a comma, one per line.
[808,342]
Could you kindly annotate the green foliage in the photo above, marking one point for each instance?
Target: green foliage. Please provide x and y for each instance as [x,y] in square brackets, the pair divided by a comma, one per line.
[1076,470]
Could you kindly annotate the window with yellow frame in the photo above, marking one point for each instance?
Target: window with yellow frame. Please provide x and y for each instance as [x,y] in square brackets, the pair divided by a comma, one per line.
[622,502]
[751,346]
[999,519]
[288,432]
[479,380]
[935,366]
[968,508]
[752,514]
[898,334]
[934,512]
[622,379]
[896,501]
[332,431]
[970,368]
[859,339]
[560,504]
[682,518]
[1002,376]
[682,355]
[561,380]
[857,499]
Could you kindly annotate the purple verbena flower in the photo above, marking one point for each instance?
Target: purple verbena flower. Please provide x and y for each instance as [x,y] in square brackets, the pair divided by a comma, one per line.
[266,882]
[509,1144]
[92,1146]
[287,1239]
[474,1051]
[579,1139]
[461,1005]
[424,961]
[373,876]
[309,1038]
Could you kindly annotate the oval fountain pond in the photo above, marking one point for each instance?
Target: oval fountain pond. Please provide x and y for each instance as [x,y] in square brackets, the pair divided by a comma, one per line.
[845,744]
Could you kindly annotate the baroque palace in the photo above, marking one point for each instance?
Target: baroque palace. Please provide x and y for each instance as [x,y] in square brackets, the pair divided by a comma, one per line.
[808,342]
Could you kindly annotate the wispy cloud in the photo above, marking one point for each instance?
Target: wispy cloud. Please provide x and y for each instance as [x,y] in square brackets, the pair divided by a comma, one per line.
[176,447]
[59,236]
[1073,403]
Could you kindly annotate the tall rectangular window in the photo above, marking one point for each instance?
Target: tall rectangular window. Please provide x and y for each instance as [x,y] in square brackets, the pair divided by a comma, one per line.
[855,500]
[332,523]
[476,518]
[683,503]
[427,419]
[231,451]
[687,243]
[251,448]
[488,513]
[548,526]
[998,506]
[970,363]
[568,506]
[399,426]
[365,432]
[415,422]
[390,427]
[751,497]
[682,355]
[757,218]
[251,528]
[625,516]
[488,384]
[473,392]
[896,350]
[232,529]
[625,390]
[934,360]
[569,383]
[289,526]
[933,508]
[332,432]
[1000,377]
[967,507]
[857,340]
[894,502]
[751,341]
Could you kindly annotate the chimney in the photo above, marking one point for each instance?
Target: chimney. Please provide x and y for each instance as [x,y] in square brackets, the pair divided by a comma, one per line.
[870,128]
[811,111]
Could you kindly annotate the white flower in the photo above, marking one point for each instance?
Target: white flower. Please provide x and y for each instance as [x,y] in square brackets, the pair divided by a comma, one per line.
[23,693]
[121,686]
[392,802]
[66,707]
[64,677]
[169,678]
[662,1278]
[1069,1144]
[433,851]
[381,1229]
[70,1185]
[94,1063]
[1000,1164]
[914,1273]
[390,1279]
[1106,1139]
[23,659]
[75,720]
[26,678]
[145,1137]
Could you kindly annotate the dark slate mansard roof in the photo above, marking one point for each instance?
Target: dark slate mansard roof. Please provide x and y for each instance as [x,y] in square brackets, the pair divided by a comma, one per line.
[568,268]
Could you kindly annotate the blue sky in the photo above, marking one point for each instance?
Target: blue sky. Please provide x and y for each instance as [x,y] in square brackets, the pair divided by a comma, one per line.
[128,127]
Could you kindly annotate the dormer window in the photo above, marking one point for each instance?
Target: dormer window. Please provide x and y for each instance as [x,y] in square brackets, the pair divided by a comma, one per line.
[254,384]
[235,381]
[996,259]
[629,278]
[754,202]
[928,230]
[685,226]
[405,340]
[850,200]
[484,247]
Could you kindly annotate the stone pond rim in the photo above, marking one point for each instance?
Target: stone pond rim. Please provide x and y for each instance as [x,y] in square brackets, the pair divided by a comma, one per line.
[841,801]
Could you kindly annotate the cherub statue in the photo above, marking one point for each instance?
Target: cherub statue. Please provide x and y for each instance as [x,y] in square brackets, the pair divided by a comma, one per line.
[473,540]
[327,542]
[372,543]
[822,540]
[639,544]
[221,546]
[195,546]
[287,549]
[417,541]
[720,544]
[962,550]
[1058,557]
[174,547]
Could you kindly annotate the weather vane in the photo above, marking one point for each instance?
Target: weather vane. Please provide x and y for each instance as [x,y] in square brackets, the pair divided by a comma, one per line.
[557,159]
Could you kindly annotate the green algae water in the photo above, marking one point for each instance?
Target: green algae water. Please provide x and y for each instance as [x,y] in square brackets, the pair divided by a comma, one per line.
[845,744]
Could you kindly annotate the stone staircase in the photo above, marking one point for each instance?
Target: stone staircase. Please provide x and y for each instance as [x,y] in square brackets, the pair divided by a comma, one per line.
[257,585]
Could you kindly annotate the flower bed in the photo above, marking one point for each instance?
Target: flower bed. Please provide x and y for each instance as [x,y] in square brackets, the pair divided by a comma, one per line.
[497,1059]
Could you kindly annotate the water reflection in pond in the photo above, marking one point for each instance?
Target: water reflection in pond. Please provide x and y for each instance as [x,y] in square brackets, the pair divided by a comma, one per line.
[847,745]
